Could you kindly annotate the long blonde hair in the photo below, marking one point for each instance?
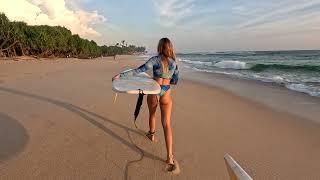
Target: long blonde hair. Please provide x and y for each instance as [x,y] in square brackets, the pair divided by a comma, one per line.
[166,51]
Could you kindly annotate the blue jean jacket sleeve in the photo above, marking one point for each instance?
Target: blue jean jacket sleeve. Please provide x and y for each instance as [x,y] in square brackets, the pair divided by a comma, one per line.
[175,76]
[143,68]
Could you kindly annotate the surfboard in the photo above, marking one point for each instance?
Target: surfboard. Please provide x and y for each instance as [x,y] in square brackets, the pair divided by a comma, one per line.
[235,170]
[142,83]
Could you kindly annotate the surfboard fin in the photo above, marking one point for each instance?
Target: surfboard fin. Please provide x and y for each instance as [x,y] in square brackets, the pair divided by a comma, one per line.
[138,107]
[115,98]
[135,124]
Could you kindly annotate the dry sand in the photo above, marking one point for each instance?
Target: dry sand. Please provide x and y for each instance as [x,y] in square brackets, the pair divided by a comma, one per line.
[58,121]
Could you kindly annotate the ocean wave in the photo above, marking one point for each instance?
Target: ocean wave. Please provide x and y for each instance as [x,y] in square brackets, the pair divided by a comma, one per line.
[310,88]
[263,67]
[303,89]
[302,53]
[231,65]
[270,79]
[240,65]
[196,62]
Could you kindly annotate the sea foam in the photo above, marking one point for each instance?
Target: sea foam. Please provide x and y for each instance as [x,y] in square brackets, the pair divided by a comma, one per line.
[303,88]
[231,65]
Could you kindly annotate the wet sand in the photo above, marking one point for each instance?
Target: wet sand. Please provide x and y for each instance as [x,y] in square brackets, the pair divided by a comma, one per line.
[61,123]
[274,96]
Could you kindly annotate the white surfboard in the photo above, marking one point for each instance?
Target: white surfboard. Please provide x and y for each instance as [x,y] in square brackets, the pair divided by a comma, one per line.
[136,84]
[235,170]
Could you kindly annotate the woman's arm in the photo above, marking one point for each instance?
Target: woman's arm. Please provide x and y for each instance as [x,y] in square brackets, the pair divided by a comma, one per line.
[143,68]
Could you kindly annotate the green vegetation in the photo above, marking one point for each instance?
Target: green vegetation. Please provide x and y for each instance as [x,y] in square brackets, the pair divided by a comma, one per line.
[125,49]
[18,38]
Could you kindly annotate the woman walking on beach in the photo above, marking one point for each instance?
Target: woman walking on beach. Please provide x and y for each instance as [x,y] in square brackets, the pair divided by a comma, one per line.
[165,72]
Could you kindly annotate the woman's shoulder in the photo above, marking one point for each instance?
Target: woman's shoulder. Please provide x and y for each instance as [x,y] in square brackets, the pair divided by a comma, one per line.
[173,61]
[151,56]
[155,59]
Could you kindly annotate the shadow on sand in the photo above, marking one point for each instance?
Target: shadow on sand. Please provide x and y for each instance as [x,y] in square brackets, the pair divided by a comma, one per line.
[83,113]
[13,137]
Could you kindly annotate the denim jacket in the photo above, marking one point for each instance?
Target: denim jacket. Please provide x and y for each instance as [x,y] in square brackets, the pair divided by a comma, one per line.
[154,63]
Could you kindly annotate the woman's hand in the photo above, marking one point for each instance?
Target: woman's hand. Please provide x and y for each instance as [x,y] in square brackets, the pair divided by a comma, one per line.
[116,77]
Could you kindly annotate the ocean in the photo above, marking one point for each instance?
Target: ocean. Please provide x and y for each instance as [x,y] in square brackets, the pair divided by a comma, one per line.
[295,70]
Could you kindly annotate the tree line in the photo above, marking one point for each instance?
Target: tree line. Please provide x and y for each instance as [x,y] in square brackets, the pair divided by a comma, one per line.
[122,48]
[19,39]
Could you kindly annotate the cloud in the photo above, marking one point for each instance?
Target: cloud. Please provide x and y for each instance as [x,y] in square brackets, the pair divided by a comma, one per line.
[53,12]
[170,12]
[290,10]
[238,9]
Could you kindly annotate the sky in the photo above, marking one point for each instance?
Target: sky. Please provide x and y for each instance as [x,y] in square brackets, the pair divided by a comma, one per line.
[192,25]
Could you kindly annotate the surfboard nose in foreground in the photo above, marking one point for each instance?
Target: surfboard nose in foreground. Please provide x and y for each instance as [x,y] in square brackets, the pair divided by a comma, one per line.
[234,169]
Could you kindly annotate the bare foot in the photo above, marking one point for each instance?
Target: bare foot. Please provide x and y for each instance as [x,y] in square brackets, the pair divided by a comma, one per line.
[170,159]
[172,166]
[150,135]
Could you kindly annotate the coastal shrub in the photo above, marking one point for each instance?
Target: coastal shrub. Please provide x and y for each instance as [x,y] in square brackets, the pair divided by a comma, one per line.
[18,38]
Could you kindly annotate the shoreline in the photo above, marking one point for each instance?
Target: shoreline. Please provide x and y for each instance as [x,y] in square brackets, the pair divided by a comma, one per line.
[295,70]
[273,96]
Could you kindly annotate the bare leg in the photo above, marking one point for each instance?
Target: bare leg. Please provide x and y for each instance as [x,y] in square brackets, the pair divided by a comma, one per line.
[166,108]
[152,101]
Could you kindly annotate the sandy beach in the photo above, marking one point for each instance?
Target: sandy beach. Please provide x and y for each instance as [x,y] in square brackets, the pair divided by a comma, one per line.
[58,121]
